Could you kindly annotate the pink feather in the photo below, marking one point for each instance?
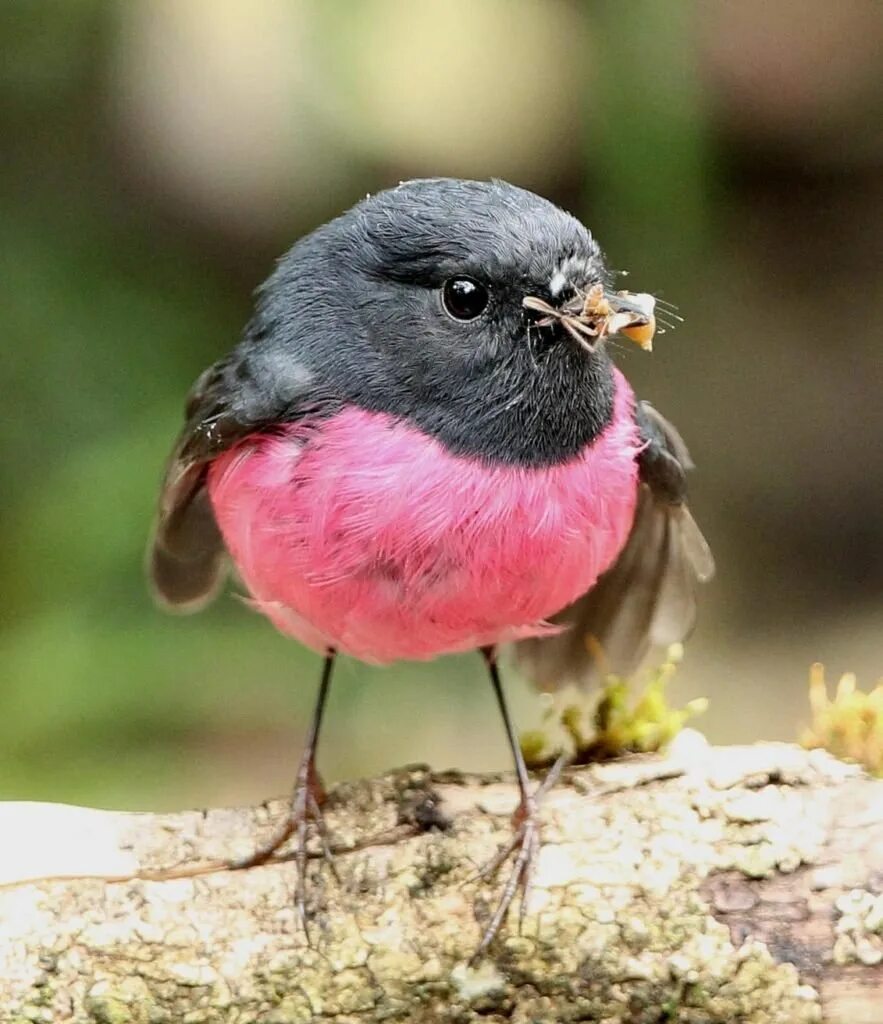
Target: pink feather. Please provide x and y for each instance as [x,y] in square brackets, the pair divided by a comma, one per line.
[363,534]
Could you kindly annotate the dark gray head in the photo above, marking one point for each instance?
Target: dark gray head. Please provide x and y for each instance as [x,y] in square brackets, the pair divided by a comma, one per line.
[411,303]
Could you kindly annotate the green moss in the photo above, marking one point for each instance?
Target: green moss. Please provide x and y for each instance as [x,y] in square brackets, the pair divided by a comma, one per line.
[616,724]
[849,725]
[292,1010]
[107,1010]
[128,1001]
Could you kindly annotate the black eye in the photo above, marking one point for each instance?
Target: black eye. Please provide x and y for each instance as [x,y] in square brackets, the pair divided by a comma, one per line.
[464,298]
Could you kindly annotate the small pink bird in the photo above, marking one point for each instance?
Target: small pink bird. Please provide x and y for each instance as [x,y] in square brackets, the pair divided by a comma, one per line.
[421,446]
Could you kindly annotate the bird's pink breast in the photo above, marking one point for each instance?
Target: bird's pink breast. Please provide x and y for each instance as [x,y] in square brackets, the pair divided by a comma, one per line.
[361,533]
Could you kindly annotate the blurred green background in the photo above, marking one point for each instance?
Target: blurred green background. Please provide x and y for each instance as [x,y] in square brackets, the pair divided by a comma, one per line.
[159,154]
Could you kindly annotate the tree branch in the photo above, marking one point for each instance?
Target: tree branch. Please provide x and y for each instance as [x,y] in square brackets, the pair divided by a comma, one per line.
[741,884]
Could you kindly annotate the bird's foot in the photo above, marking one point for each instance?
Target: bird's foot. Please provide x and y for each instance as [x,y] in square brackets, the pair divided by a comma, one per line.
[522,849]
[303,820]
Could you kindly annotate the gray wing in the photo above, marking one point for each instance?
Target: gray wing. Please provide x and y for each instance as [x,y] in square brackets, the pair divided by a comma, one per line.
[647,599]
[244,393]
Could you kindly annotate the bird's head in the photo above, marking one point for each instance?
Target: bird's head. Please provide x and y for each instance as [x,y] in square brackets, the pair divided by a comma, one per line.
[488,270]
[477,309]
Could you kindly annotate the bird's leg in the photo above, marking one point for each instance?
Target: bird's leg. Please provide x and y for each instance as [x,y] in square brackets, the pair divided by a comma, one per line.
[524,844]
[305,807]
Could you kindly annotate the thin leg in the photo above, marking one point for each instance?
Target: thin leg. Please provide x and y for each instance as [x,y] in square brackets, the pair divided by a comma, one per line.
[520,767]
[525,841]
[305,806]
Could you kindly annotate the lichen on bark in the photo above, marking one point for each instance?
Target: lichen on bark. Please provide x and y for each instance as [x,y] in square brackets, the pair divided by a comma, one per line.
[667,890]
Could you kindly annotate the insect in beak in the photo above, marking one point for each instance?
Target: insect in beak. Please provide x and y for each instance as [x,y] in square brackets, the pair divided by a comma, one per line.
[599,314]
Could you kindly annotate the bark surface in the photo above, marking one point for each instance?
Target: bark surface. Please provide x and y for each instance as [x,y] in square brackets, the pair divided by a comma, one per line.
[733,884]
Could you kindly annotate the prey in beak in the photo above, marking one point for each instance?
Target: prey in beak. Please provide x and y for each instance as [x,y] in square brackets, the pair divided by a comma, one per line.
[599,314]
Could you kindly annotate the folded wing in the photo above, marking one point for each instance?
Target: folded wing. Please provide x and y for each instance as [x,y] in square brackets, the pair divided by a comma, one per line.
[647,599]
[240,395]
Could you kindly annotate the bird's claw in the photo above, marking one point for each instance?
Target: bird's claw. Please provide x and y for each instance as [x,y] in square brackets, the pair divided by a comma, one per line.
[305,810]
[524,843]
[522,847]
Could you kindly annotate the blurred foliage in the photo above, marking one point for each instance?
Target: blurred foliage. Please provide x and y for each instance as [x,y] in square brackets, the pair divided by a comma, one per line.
[849,724]
[159,154]
[614,723]
[649,141]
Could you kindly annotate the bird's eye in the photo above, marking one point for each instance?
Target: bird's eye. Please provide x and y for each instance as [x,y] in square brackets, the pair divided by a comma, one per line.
[464,298]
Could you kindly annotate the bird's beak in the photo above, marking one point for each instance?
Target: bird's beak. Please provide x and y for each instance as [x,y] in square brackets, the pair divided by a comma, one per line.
[599,314]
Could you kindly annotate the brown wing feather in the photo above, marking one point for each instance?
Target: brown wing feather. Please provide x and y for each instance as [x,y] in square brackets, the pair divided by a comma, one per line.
[186,553]
[230,400]
[252,389]
[185,561]
[648,598]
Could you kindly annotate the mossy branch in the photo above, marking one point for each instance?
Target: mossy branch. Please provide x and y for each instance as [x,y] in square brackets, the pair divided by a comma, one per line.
[731,884]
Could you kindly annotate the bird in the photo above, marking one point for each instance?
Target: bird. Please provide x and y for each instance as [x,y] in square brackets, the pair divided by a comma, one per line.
[421,445]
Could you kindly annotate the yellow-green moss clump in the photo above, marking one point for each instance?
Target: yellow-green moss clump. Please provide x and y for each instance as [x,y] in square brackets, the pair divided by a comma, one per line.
[614,725]
[850,726]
